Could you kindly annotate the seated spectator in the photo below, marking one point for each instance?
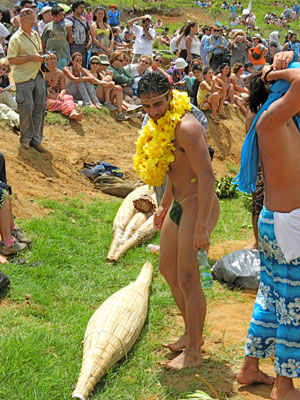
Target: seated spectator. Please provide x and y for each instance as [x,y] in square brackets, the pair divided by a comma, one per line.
[118,42]
[6,21]
[79,83]
[57,98]
[157,65]
[198,75]
[127,59]
[54,37]
[177,73]
[122,76]
[127,37]
[137,70]
[101,33]
[6,95]
[45,16]
[211,96]
[158,23]
[248,69]
[222,73]
[164,39]
[240,91]
[107,91]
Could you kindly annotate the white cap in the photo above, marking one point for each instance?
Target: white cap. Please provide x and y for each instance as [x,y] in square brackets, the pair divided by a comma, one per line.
[147,16]
[45,9]
[180,63]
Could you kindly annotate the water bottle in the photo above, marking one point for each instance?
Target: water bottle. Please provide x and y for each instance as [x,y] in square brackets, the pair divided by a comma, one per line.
[204,268]
[153,248]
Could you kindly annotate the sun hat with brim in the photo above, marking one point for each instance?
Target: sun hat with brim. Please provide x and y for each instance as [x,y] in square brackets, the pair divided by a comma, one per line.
[257,36]
[44,10]
[147,16]
[180,63]
[104,59]
[94,58]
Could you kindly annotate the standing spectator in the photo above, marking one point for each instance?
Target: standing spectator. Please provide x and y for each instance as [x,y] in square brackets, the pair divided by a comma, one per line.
[257,52]
[144,36]
[204,40]
[215,48]
[239,48]
[232,16]
[89,16]
[292,44]
[101,33]
[192,41]
[45,17]
[274,46]
[24,54]
[54,37]
[50,3]
[114,16]
[16,18]
[78,30]
[296,8]
[4,32]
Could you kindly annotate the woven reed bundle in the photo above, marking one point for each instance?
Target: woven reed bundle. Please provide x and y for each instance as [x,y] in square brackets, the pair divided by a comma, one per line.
[136,221]
[124,215]
[112,331]
[145,232]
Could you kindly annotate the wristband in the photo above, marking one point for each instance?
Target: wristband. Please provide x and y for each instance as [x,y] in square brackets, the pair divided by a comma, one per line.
[265,77]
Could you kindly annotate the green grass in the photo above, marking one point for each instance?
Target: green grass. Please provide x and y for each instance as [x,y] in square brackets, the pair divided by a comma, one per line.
[41,334]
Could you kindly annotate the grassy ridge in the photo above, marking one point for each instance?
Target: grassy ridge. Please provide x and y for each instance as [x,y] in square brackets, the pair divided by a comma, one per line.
[49,305]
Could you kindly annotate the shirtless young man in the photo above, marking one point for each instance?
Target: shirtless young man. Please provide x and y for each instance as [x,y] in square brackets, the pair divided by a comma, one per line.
[274,327]
[190,194]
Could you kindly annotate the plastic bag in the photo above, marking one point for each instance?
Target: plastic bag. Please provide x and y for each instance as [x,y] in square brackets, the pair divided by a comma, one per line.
[240,268]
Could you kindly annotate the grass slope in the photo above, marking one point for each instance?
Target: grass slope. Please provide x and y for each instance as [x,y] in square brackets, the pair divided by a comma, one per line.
[48,306]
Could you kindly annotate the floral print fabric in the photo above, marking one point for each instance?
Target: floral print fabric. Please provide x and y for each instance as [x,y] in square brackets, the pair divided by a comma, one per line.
[274,327]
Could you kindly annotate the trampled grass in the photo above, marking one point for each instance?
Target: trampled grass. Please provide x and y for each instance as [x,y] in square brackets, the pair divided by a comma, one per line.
[49,304]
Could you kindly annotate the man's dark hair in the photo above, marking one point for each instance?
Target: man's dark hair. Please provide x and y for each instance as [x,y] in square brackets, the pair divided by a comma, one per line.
[197,67]
[76,4]
[153,82]
[24,2]
[258,92]
[56,10]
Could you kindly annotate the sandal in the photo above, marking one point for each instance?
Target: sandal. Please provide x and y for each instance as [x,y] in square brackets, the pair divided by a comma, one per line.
[216,120]
[223,115]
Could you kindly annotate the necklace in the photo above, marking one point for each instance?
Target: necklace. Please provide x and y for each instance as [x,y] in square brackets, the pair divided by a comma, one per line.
[155,145]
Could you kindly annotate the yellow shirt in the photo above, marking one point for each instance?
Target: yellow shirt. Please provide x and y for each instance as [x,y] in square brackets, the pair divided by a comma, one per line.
[202,94]
[22,44]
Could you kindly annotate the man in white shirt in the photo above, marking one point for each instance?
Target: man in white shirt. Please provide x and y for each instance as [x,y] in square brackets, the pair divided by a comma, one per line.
[4,32]
[144,36]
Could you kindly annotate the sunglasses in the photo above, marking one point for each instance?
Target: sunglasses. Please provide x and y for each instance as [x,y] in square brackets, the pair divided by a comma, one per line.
[120,59]
[144,61]
[159,61]
[95,63]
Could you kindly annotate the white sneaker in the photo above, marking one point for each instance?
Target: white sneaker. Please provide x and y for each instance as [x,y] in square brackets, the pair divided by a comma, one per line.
[109,106]
[134,108]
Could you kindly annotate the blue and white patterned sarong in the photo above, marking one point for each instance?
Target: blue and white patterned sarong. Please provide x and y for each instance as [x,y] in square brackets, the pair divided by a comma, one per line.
[275,324]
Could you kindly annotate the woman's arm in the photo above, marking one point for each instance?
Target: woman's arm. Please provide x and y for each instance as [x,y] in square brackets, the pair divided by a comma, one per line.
[188,42]
[73,78]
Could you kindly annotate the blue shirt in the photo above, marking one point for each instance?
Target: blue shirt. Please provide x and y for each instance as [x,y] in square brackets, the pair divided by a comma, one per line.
[221,41]
[113,18]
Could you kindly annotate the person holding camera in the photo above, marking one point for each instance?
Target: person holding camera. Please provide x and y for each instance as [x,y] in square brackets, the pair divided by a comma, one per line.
[257,53]
[239,48]
[24,55]
[144,36]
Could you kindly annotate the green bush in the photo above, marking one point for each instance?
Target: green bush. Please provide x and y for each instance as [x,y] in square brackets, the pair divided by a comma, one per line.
[225,187]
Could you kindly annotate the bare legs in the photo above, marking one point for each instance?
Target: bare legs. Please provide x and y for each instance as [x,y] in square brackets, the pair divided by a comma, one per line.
[283,388]
[179,266]
[6,220]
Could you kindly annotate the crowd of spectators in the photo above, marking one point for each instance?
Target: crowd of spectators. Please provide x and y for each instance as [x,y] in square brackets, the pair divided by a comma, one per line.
[92,57]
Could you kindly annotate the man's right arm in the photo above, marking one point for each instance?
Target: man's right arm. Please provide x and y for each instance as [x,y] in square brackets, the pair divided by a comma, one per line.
[25,59]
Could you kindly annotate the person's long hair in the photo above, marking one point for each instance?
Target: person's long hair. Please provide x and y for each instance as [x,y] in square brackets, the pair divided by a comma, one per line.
[188,27]
[96,11]
[258,92]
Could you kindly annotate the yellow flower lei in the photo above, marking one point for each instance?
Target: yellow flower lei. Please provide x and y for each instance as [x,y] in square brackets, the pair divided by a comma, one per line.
[155,147]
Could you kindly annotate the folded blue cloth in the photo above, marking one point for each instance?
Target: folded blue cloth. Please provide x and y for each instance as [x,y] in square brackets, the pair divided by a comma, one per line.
[246,179]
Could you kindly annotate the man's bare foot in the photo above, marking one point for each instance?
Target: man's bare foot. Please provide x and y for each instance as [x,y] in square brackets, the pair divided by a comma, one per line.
[291,394]
[179,344]
[254,376]
[98,106]
[182,361]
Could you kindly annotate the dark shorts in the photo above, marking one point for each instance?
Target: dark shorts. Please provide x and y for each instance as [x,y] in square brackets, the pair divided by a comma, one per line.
[258,195]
